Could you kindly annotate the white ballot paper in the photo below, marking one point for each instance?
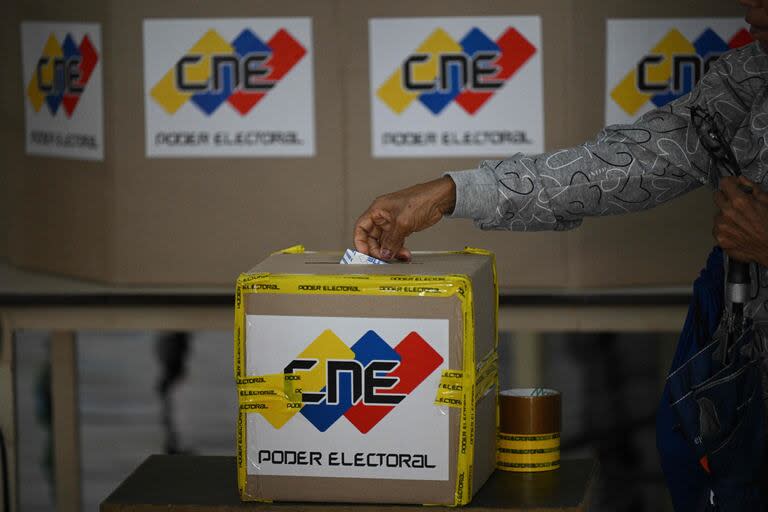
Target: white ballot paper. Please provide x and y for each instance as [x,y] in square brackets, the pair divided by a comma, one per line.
[352,257]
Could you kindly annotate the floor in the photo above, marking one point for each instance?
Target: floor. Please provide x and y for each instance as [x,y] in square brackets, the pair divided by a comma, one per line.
[122,418]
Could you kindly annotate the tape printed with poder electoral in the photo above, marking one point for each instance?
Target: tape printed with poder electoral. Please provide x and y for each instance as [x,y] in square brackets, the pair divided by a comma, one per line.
[282,392]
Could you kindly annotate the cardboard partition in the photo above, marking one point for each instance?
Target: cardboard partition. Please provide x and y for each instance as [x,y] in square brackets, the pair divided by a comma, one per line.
[57,208]
[132,219]
[524,260]
[664,246]
[298,315]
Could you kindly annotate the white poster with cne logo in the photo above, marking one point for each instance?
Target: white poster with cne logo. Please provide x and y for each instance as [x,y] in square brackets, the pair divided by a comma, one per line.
[459,86]
[63,103]
[368,390]
[229,87]
[651,62]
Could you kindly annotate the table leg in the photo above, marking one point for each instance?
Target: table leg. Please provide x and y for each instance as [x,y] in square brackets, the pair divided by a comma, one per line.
[9,490]
[66,434]
[527,357]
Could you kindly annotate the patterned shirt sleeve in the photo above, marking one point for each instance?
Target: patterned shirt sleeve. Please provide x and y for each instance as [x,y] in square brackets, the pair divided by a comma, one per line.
[626,168]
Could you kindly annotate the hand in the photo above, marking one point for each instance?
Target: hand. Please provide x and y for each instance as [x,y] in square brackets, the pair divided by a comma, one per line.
[741,226]
[381,231]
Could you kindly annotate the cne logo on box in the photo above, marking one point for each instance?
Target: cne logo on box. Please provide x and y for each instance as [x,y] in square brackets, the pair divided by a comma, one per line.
[240,72]
[442,70]
[672,68]
[61,74]
[362,383]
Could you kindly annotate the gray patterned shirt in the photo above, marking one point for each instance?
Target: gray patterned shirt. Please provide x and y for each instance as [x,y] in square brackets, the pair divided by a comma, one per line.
[634,167]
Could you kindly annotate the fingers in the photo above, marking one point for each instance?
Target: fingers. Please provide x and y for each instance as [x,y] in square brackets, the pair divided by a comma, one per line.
[733,239]
[367,235]
[363,227]
[755,189]
[404,254]
[746,185]
[735,188]
[368,232]
[391,235]
[392,240]
[730,188]
[736,206]
[373,242]
[741,225]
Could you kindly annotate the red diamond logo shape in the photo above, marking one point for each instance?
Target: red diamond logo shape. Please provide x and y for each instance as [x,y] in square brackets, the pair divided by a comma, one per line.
[515,51]
[417,362]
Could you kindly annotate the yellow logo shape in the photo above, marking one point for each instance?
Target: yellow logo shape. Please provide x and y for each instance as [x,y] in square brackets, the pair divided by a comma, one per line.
[626,95]
[51,50]
[324,347]
[392,92]
[165,92]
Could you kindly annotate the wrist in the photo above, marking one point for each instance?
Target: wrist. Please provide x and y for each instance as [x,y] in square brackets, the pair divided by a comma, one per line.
[446,195]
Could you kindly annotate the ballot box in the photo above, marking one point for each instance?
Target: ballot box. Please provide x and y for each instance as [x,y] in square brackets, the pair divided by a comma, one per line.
[366,383]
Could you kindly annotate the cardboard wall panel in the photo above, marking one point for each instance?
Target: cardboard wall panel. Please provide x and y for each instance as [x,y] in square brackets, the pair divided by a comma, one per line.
[664,246]
[530,259]
[206,219]
[58,207]
[135,220]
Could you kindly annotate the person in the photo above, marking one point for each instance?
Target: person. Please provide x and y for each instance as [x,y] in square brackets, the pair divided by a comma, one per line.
[626,168]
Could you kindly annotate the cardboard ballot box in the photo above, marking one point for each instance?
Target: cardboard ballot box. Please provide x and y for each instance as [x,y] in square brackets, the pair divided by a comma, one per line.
[366,383]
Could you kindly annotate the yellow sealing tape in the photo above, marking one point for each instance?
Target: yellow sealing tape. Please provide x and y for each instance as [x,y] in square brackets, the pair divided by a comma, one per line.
[487,374]
[528,445]
[450,390]
[294,249]
[533,455]
[528,437]
[526,467]
[472,383]
[270,392]
[528,453]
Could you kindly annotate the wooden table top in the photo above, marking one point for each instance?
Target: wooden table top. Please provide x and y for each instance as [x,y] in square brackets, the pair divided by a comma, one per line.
[206,483]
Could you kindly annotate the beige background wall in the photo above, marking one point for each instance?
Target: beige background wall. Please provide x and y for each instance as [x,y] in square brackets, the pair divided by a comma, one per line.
[131,219]
[136,220]
[59,216]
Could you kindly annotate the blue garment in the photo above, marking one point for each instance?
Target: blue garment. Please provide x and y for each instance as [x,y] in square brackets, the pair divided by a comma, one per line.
[712,414]
[686,479]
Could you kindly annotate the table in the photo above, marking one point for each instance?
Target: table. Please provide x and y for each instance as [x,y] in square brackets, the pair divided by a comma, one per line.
[30,300]
[167,483]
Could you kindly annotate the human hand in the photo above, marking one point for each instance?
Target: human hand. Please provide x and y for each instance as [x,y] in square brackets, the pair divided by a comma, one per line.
[381,231]
[741,225]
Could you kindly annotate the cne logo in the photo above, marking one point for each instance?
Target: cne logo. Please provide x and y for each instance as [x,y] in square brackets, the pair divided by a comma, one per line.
[362,383]
[672,68]
[442,70]
[240,72]
[61,74]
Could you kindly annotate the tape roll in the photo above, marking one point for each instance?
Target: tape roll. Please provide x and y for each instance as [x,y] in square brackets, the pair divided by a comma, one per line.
[529,430]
